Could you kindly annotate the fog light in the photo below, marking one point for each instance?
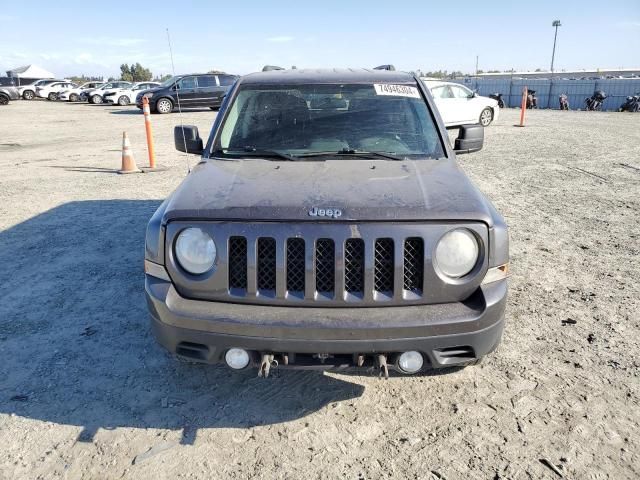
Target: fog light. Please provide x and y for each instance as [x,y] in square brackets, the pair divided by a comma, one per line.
[410,362]
[237,358]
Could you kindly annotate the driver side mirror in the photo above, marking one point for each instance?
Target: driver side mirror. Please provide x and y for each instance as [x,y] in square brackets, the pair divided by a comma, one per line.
[187,139]
[473,95]
[470,139]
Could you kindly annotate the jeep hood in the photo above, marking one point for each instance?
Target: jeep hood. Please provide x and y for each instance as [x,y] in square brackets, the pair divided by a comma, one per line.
[364,190]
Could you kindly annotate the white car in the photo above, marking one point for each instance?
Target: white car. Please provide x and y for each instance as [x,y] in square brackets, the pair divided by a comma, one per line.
[28,92]
[96,95]
[50,91]
[76,94]
[459,105]
[125,96]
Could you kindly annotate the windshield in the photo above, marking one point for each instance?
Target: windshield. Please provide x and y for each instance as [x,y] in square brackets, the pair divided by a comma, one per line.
[169,81]
[315,120]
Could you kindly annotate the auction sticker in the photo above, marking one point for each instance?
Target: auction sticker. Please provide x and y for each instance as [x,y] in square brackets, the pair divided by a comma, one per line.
[396,90]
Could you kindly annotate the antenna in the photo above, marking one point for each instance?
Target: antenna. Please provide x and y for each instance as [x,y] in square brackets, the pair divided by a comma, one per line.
[173,68]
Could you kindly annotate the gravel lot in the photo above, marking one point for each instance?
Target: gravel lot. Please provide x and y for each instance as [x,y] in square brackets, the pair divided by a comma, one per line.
[85,392]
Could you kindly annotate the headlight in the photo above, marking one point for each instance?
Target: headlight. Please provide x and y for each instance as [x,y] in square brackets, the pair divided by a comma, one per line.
[457,253]
[195,250]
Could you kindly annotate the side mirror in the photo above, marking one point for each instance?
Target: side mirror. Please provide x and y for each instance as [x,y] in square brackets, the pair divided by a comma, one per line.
[470,138]
[473,95]
[187,139]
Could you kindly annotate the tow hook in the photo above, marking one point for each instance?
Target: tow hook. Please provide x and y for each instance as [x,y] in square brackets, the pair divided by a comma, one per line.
[266,363]
[382,365]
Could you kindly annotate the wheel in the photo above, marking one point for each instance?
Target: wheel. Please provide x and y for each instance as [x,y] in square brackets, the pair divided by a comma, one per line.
[73,97]
[52,96]
[96,99]
[28,94]
[486,116]
[123,100]
[164,105]
[4,100]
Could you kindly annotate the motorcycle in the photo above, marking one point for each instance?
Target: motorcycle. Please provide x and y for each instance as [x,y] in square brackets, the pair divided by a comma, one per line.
[564,101]
[594,102]
[632,104]
[532,100]
[498,97]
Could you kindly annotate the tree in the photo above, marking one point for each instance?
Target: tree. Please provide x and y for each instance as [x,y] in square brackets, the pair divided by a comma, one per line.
[214,71]
[135,73]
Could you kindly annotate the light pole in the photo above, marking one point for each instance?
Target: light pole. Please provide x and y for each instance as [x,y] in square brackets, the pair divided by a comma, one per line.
[556,23]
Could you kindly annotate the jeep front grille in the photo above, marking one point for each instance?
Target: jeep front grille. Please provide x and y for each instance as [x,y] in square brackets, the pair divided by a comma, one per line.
[321,264]
[325,267]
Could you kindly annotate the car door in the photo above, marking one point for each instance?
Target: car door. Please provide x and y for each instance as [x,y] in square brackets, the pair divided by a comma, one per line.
[185,90]
[443,96]
[208,91]
[465,105]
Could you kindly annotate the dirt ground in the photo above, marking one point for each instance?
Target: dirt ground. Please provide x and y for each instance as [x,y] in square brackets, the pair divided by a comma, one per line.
[85,392]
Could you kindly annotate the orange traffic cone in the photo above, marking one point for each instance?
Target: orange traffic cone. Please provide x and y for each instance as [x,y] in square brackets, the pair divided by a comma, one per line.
[128,162]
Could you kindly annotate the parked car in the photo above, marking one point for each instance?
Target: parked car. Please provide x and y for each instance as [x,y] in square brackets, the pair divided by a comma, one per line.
[8,93]
[328,232]
[194,90]
[50,91]
[95,96]
[28,92]
[78,93]
[459,105]
[125,96]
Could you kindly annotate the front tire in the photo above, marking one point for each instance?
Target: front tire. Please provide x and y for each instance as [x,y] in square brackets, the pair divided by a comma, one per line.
[164,105]
[4,100]
[52,96]
[96,99]
[486,117]
[123,101]
[28,94]
[73,97]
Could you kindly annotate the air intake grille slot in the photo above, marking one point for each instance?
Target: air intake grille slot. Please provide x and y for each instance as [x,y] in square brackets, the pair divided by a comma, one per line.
[238,262]
[266,264]
[354,265]
[383,265]
[325,265]
[413,264]
[295,265]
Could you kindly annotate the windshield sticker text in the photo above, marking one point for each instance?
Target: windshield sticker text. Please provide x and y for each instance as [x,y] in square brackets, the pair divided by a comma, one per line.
[396,90]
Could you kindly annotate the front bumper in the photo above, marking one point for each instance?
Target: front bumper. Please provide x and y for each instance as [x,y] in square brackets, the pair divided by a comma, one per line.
[446,334]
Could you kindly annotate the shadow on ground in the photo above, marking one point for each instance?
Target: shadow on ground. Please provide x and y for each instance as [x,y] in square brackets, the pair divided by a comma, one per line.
[77,348]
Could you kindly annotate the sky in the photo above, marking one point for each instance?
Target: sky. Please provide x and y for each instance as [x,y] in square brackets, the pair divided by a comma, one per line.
[95,37]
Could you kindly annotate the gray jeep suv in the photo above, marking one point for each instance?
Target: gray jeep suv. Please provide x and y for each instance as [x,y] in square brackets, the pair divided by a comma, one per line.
[328,225]
[8,93]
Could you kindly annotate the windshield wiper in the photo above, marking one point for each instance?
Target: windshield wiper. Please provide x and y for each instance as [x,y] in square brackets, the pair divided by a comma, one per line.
[254,152]
[352,153]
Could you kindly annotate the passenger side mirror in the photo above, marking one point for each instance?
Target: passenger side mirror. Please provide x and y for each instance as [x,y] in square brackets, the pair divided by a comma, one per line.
[187,139]
[473,95]
[470,138]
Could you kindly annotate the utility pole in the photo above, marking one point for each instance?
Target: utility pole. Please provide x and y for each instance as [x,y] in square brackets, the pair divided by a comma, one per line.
[556,24]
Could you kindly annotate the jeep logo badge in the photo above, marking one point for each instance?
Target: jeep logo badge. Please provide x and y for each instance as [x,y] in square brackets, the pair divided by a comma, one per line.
[325,212]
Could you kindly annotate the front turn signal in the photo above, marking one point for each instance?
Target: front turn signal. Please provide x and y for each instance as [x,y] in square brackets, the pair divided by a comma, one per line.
[496,273]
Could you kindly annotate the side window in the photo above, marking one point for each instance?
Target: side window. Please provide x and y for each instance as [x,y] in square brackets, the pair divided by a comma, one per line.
[441,92]
[460,92]
[207,81]
[226,80]
[187,83]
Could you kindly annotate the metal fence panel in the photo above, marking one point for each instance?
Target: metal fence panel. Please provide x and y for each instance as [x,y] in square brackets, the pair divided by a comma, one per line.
[548,91]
